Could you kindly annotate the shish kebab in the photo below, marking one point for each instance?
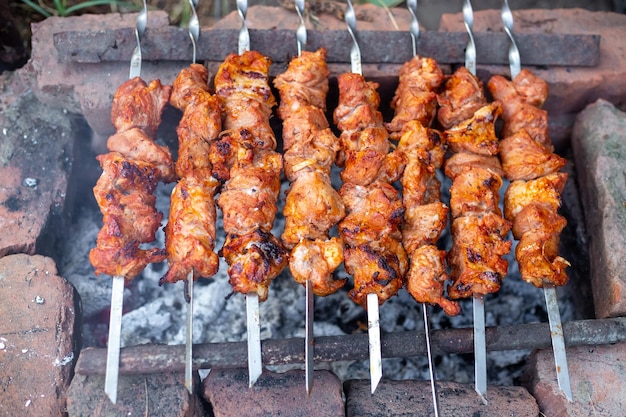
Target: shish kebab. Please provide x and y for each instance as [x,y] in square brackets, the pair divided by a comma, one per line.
[477,266]
[312,205]
[245,161]
[532,199]
[373,252]
[190,233]
[425,217]
[130,173]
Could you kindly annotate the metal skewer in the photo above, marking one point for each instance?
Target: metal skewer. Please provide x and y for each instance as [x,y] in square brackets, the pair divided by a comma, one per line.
[414,30]
[253,321]
[189,333]
[117,288]
[373,321]
[194,34]
[554,316]
[301,39]
[478,301]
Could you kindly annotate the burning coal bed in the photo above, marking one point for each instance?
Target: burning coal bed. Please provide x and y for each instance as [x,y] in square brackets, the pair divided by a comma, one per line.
[154,314]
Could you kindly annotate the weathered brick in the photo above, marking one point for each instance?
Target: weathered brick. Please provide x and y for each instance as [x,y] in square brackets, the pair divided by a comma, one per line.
[273,394]
[571,88]
[414,398]
[155,395]
[39,334]
[36,156]
[599,143]
[598,379]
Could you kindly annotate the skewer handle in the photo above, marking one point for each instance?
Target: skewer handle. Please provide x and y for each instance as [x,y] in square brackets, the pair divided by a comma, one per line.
[140,29]
[514,57]
[355,51]
[194,28]
[301,35]
[470,50]
[244,35]
[414,27]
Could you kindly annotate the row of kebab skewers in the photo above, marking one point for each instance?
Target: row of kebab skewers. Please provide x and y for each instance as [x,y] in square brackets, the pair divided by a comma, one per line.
[387,212]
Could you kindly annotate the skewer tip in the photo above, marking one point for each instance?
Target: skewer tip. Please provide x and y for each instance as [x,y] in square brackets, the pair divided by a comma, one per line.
[373,326]
[189,333]
[255,364]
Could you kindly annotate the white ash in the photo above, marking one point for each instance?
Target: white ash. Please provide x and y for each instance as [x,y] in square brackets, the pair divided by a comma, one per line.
[155,314]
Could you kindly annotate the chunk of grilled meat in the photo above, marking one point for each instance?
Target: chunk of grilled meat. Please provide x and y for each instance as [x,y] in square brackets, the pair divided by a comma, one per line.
[242,85]
[130,174]
[373,251]
[476,134]
[476,258]
[312,207]
[316,260]
[244,159]
[461,161]
[538,230]
[415,98]
[305,83]
[475,192]
[190,233]
[523,158]
[427,277]
[545,191]
[139,105]
[462,96]
[521,101]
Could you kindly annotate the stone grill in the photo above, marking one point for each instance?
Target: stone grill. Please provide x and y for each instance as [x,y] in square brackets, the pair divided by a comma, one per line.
[515,316]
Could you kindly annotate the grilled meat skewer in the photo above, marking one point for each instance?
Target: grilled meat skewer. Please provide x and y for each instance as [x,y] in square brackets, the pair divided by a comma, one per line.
[190,232]
[534,196]
[423,150]
[131,171]
[312,206]
[371,232]
[478,229]
[244,159]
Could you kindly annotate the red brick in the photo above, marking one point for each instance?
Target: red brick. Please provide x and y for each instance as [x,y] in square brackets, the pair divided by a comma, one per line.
[154,395]
[598,379]
[413,398]
[600,153]
[87,88]
[370,17]
[274,394]
[38,337]
[571,88]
